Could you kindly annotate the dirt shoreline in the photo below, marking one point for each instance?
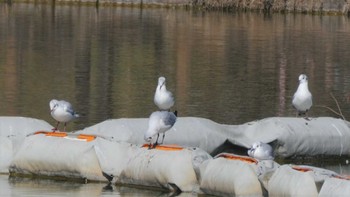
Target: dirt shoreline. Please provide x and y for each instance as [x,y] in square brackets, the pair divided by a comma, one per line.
[284,6]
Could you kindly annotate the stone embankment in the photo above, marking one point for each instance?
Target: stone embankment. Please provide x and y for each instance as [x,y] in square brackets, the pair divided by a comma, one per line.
[292,6]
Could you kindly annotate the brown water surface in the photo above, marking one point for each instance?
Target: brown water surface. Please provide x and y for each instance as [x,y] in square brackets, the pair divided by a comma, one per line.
[229,67]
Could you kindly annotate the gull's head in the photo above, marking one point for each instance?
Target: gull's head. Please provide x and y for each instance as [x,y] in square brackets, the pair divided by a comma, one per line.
[147,138]
[252,149]
[261,151]
[255,146]
[53,104]
[302,78]
[161,82]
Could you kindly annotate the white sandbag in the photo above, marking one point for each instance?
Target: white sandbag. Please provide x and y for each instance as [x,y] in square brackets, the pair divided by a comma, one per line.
[266,168]
[289,182]
[13,130]
[99,159]
[6,152]
[327,182]
[113,157]
[187,131]
[162,167]
[19,127]
[319,136]
[231,175]
[335,187]
[57,156]
[298,136]
[289,136]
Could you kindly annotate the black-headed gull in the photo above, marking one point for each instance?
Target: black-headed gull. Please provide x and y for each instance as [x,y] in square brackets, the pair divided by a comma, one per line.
[159,122]
[261,151]
[163,98]
[302,99]
[62,111]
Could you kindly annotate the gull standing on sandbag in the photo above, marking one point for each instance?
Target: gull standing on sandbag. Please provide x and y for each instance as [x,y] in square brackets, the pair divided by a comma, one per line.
[302,99]
[163,98]
[159,122]
[261,151]
[62,111]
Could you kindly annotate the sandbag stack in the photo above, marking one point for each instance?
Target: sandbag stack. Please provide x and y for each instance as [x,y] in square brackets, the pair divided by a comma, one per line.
[113,151]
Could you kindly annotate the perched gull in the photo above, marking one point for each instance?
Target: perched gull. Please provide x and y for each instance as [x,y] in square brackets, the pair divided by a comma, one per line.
[162,97]
[261,151]
[62,111]
[159,122]
[302,99]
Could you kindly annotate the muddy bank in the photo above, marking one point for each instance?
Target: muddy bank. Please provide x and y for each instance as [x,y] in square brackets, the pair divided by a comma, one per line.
[317,6]
[271,6]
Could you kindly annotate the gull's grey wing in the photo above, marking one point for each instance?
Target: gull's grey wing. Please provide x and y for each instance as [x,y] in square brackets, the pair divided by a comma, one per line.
[169,118]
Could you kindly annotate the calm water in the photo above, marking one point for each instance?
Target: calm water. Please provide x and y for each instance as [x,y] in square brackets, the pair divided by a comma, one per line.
[43,187]
[229,67]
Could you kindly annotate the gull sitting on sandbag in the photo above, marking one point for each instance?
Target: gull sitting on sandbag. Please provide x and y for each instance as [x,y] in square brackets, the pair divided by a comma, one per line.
[261,151]
[163,98]
[62,111]
[302,99]
[159,122]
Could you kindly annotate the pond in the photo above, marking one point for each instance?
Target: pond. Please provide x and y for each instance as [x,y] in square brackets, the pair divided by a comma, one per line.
[230,67]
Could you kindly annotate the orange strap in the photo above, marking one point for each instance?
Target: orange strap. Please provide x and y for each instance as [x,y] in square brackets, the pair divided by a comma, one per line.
[301,169]
[164,147]
[88,138]
[40,132]
[306,169]
[345,177]
[54,134]
[240,158]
